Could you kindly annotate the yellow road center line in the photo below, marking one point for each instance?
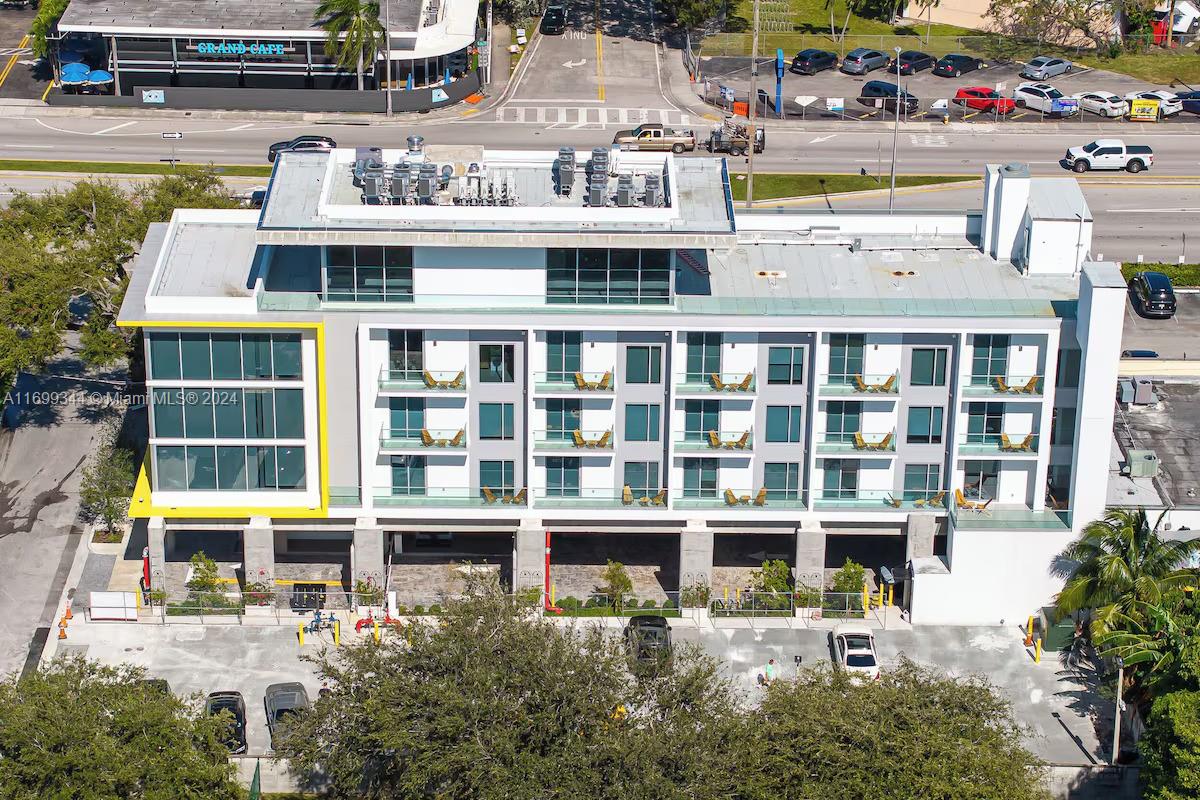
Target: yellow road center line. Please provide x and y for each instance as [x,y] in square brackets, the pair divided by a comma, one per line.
[599,55]
[13,61]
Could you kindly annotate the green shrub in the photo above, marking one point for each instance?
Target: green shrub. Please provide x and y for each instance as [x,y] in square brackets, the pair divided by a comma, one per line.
[649,604]
[205,577]
[435,609]
[668,605]
[591,602]
[401,609]
[615,583]
[569,603]
[850,578]
[695,596]
[774,576]
[1180,274]
[418,610]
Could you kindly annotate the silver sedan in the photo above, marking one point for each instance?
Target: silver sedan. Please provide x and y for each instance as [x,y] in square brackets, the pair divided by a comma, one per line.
[1045,67]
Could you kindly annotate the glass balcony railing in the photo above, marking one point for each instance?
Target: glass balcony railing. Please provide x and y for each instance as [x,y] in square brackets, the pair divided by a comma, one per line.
[732,441]
[1010,518]
[737,498]
[1018,386]
[431,438]
[998,444]
[438,497]
[860,443]
[573,440]
[710,382]
[626,497]
[344,496]
[402,380]
[879,499]
[861,384]
[583,382]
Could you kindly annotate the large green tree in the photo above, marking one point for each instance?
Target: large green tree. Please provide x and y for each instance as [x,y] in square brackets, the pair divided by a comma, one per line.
[828,736]
[354,32]
[1118,562]
[496,702]
[76,730]
[1171,747]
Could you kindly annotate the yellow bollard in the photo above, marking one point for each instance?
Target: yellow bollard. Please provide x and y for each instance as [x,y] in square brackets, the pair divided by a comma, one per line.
[866,601]
[1029,632]
[553,594]
[300,633]
[891,594]
[375,629]
[1037,652]
[737,594]
[726,594]
[337,633]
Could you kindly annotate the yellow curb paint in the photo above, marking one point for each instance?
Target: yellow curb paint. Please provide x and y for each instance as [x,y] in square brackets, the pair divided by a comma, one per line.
[13,61]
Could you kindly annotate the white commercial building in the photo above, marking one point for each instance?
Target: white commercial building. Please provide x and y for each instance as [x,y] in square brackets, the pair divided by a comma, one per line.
[455,341]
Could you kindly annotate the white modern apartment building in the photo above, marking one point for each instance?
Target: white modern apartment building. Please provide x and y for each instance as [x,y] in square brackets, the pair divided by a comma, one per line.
[518,343]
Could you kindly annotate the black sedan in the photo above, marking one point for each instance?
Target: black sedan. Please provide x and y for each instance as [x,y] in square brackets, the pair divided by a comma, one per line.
[955,64]
[301,144]
[231,704]
[910,62]
[812,61]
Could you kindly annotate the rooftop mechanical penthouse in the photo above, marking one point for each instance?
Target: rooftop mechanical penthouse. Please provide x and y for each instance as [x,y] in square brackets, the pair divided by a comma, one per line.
[463,348]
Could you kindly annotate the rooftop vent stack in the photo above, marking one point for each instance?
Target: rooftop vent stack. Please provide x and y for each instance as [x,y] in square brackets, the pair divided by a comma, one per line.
[625,193]
[416,145]
[654,194]
[597,190]
[427,182]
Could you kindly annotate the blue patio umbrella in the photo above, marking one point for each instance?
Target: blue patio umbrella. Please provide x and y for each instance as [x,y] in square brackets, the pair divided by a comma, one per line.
[69,57]
[99,76]
[75,73]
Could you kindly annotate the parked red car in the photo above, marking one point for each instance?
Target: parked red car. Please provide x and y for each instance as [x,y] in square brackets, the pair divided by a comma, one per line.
[981,98]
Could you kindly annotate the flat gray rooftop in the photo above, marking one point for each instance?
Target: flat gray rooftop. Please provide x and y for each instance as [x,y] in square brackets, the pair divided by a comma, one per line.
[207,259]
[952,279]
[1057,199]
[217,15]
[1171,428]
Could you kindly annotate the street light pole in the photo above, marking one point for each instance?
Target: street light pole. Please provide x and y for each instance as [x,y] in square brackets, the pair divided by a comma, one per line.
[387,47]
[753,107]
[1117,711]
[895,133]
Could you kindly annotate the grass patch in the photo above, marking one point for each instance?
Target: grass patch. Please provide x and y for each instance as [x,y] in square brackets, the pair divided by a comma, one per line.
[812,16]
[772,185]
[608,611]
[107,537]
[1180,274]
[128,168]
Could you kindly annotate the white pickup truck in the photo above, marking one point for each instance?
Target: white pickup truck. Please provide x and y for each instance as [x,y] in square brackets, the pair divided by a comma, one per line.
[1110,154]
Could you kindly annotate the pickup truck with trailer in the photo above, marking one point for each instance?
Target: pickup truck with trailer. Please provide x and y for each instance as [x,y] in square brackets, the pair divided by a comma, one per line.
[1110,154]
[653,136]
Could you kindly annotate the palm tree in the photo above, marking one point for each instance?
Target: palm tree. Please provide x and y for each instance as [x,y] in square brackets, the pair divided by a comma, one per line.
[1150,636]
[1118,562]
[354,32]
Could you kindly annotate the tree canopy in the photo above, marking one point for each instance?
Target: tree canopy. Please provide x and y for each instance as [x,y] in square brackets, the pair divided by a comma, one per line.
[1171,747]
[76,730]
[495,701]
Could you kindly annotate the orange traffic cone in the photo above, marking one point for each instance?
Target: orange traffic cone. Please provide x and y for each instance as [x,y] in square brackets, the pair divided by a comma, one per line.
[62,629]
[68,615]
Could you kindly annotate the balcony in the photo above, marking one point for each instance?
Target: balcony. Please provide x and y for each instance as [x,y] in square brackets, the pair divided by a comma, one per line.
[998,444]
[886,385]
[344,496]
[576,440]
[1014,387]
[434,497]
[859,443]
[717,442]
[738,499]
[715,383]
[626,497]
[878,500]
[1009,518]
[422,380]
[397,439]
[574,382]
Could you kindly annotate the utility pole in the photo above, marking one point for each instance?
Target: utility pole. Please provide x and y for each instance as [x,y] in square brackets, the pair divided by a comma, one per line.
[753,107]
[901,97]
[387,47]
[1170,24]
[1116,750]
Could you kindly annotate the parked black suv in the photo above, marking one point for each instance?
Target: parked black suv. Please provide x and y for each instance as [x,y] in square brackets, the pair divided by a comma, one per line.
[554,21]
[1152,295]
[955,64]
[648,638]
[911,62]
[889,95]
[812,61]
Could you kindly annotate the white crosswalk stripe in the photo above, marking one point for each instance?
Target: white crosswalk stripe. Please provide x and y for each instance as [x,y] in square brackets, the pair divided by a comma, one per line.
[589,115]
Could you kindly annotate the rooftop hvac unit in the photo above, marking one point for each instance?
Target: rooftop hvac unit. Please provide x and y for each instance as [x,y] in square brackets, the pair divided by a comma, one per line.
[427,182]
[625,193]
[564,169]
[597,190]
[1143,392]
[654,194]
[1143,464]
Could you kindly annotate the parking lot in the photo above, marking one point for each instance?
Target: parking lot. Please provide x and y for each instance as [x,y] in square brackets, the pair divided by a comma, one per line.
[1174,338]
[22,74]
[734,72]
[198,659]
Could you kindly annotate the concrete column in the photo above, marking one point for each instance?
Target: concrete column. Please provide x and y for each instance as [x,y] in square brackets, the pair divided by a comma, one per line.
[695,555]
[258,551]
[156,541]
[529,555]
[921,529]
[367,558]
[810,557]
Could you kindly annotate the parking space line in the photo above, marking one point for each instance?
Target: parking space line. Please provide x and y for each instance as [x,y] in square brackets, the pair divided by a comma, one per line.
[972,114]
[12,61]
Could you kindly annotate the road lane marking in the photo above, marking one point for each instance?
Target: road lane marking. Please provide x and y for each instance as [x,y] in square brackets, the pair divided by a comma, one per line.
[12,61]
[599,56]
[242,127]
[200,151]
[114,128]
[28,146]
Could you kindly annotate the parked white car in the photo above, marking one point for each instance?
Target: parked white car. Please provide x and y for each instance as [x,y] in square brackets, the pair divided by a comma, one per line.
[1106,104]
[854,651]
[1041,97]
[1168,103]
